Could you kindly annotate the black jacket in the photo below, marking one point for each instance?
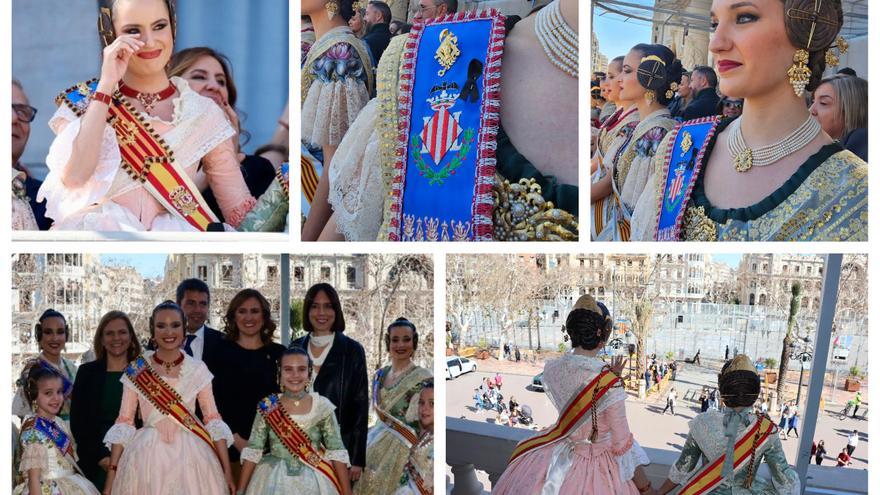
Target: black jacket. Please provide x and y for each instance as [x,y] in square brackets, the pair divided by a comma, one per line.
[31,186]
[343,380]
[704,104]
[377,39]
[87,431]
[213,340]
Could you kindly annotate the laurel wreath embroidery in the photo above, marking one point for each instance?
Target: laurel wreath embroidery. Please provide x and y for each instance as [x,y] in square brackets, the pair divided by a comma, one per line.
[438,176]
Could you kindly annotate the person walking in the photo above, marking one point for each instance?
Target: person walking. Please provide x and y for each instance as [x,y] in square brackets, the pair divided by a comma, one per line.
[857,401]
[852,441]
[670,401]
[793,425]
[726,353]
[819,452]
[783,421]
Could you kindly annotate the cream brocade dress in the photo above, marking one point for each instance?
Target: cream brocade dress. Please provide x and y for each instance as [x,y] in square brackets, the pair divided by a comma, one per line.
[57,474]
[162,458]
[112,201]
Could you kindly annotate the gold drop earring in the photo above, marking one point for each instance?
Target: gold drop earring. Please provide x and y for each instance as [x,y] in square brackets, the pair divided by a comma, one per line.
[650,96]
[799,74]
[332,8]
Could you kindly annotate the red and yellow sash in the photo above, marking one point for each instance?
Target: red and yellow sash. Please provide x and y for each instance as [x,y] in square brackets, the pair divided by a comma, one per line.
[407,434]
[146,158]
[165,398]
[295,439]
[709,477]
[573,414]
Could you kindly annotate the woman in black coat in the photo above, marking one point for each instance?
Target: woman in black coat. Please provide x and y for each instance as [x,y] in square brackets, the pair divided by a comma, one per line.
[97,393]
[341,369]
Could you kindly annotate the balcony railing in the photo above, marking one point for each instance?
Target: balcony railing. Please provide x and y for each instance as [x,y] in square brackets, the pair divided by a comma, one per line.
[474,445]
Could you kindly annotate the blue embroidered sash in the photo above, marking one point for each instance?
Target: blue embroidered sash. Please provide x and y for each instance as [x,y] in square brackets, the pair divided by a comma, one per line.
[56,434]
[449,107]
[680,171]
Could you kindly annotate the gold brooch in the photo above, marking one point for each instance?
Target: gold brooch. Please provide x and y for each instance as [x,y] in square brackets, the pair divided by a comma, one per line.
[698,226]
[686,142]
[448,52]
[83,89]
[126,132]
[183,201]
[743,160]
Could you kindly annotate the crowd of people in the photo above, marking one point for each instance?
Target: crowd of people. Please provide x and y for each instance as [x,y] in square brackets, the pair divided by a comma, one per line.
[223,412]
[756,148]
[590,449]
[455,91]
[153,144]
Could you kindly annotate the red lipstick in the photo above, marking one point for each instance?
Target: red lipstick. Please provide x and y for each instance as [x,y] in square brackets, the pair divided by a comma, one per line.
[150,55]
[726,65]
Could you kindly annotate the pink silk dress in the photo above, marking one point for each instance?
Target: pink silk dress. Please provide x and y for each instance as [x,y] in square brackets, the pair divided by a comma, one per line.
[163,458]
[574,465]
[112,201]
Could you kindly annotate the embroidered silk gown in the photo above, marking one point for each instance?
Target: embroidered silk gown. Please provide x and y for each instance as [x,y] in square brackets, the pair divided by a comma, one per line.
[57,473]
[631,170]
[164,458]
[421,461]
[574,465]
[706,441]
[278,471]
[111,200]
[826,199]
[387,452]
[612,144]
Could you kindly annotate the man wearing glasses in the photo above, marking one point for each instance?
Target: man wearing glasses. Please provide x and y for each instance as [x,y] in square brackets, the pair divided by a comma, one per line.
[429,9]
[22,116]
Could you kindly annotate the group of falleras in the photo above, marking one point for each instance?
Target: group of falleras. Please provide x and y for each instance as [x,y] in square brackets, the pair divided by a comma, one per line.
[182,413]
[590,448]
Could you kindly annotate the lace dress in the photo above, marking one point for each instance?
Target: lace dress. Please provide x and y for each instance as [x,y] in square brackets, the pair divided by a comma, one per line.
[111,200]
[163,458]
[421,464]
[706,442]
[574,465]
[57,474]
[278,471]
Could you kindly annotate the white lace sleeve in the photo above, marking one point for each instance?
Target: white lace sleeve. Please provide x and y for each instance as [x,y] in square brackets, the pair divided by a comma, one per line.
[220,431]
[62,200]
[119,434]
[338,455]
[633,458]
[356,179]
[330,108]
[253,455]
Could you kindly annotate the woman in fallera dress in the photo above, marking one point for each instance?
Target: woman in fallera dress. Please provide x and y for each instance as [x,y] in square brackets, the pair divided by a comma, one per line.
[305,452]
[595,454]
[48,459]
[174,448]
[51,333]
[715,433]
[131,146]
[395,400]
[772,174]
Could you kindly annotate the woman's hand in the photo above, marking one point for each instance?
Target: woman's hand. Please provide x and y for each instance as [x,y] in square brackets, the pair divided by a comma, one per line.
[117,56]
[239,442]
[108,483]
[355,473]
[618,364]
[230,483]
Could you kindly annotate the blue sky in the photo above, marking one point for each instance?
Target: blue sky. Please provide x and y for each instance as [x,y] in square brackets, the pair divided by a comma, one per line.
[730,259]
[616,34]
[148,265]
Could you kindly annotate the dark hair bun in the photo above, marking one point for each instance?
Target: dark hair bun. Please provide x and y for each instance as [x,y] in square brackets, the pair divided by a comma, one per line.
[739,388]
[587,329]
[799,15]
[658,70]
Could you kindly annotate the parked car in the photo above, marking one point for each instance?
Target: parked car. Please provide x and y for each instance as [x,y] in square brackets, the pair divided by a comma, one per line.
[458,366]
[538,381]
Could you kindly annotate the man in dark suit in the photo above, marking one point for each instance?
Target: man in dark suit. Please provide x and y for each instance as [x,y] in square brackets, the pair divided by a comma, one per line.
[378,17]
[194,297]
[341,367]
[703,86]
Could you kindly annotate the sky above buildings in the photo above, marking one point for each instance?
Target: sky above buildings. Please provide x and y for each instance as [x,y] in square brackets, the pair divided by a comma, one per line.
[618,34]
[148,265]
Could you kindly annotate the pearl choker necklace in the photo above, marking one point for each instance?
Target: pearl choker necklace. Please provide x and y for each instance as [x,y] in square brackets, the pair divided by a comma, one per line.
[744,157]
[559,41]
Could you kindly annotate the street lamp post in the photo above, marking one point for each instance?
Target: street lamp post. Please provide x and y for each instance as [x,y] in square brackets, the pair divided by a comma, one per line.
[804,356]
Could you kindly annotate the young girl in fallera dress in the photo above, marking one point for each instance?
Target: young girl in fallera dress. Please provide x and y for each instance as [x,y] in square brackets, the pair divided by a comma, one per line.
[48,459]
[295,420]
[418,473]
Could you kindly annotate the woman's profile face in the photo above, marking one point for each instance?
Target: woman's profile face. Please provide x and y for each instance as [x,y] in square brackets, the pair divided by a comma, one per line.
[827,110]
[149,22]
[630,88]
[207,78]
[612,80]
[750,48]
[356,23]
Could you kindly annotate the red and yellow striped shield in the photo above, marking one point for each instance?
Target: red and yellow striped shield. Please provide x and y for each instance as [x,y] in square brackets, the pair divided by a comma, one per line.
[707,478]
[165,398]
[294,439]
[573,414]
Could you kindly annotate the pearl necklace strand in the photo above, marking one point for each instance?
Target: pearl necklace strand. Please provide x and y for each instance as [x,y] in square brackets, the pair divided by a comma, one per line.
[744,157]
[559,41]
